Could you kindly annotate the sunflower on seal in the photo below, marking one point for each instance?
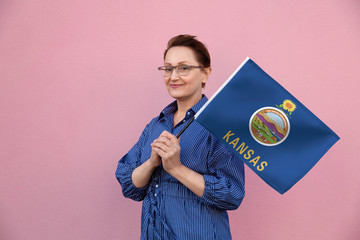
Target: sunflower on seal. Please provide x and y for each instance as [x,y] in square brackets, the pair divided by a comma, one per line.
[288,105]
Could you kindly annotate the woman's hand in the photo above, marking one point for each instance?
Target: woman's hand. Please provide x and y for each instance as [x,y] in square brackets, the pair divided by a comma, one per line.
[168,148]
[154,159]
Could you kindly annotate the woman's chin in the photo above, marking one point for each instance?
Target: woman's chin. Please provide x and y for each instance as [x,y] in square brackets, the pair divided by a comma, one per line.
[176,94]
[177,97]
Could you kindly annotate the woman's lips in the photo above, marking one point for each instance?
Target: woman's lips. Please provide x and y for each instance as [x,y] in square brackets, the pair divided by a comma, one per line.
[175,85]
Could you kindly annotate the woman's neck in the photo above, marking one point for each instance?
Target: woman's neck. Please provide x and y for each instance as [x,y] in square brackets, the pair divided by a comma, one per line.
[184,105]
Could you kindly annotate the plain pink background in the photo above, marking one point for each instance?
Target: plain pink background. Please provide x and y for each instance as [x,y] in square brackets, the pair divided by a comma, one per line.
[78,83]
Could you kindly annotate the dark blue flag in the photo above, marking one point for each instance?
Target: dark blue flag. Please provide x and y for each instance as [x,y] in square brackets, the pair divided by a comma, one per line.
[267,127]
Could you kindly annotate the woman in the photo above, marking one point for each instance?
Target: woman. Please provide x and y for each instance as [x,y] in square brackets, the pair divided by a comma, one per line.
[186,185]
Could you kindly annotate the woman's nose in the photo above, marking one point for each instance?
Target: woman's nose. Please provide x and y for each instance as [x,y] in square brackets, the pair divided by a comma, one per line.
[174,75]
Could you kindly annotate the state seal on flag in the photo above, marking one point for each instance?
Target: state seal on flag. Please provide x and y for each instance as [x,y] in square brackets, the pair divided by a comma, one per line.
[269,126]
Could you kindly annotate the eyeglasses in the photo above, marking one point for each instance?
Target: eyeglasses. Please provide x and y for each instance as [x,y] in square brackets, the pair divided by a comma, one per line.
[181,70]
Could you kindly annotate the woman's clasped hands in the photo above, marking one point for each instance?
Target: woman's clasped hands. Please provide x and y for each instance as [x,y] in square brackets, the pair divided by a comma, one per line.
[167,149]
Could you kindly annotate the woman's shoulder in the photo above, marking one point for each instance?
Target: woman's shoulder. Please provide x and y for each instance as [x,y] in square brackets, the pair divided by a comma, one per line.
[150,125]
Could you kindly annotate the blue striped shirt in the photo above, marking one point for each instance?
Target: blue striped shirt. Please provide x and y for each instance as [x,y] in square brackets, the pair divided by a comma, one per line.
[170,210]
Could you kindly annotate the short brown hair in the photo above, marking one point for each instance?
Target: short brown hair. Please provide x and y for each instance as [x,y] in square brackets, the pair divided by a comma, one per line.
[201,53]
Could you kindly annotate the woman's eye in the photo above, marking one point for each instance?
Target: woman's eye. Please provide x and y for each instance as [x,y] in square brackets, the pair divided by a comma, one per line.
[183,68]
[168,69]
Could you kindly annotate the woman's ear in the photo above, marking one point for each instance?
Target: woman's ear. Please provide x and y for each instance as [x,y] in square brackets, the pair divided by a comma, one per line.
[207,72]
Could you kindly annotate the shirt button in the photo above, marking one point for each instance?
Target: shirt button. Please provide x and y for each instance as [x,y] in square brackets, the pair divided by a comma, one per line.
[188,113]
[183,121]
[155,194]
[157,185]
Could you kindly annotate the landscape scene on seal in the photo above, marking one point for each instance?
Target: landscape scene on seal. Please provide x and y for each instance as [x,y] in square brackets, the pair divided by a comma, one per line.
[269,126]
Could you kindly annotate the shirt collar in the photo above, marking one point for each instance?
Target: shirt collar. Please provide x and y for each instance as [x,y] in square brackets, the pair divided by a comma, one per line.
[172,107]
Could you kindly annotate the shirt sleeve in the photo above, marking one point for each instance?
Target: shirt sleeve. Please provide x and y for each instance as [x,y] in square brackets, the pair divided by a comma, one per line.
[225,185]
[126,166]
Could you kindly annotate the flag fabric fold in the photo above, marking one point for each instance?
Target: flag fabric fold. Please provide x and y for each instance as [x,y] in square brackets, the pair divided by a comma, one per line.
[266,126]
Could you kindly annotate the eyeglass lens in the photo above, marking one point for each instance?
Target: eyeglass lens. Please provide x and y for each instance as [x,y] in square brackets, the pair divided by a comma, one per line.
[180,70]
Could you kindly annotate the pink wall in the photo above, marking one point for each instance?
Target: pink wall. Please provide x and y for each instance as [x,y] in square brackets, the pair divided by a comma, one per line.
[78,83]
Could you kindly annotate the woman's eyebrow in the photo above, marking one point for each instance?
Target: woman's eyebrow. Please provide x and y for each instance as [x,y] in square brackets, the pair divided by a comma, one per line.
[179,63]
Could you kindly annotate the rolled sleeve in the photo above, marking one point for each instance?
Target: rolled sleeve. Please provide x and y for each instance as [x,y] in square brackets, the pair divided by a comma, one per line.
[123,174]
[225,187]
[127,165]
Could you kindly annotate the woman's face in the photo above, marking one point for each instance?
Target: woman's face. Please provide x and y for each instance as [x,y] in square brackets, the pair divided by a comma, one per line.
[184,87]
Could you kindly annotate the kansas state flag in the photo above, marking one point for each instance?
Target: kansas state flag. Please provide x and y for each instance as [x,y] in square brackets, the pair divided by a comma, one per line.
[267,127]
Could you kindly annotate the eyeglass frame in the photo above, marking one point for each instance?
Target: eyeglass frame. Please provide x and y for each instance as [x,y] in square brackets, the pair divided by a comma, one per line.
[177,67]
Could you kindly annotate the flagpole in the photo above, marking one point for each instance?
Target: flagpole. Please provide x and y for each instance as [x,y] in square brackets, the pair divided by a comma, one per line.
[187,125]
